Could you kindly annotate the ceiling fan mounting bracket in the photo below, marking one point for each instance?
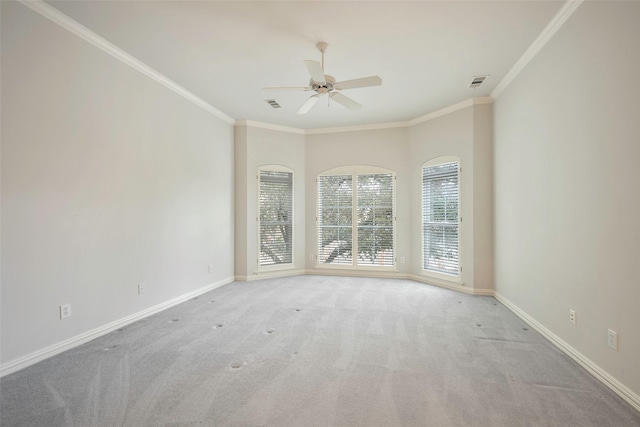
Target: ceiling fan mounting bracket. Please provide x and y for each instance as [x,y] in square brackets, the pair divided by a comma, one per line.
[322,46]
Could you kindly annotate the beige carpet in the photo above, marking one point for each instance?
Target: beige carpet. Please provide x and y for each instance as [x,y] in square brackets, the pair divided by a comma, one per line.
[316,351]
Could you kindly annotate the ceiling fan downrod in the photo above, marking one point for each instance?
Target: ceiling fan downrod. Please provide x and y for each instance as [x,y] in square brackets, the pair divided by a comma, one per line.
[322,46]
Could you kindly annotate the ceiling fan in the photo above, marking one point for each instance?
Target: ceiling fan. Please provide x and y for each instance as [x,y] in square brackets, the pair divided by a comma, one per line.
[322,83]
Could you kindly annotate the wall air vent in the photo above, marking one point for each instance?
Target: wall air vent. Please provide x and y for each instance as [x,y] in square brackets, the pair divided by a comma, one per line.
[273,103]
[477,81]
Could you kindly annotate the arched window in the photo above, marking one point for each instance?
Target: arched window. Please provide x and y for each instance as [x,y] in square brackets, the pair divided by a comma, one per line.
[276,215]
[356,217]
[441,215]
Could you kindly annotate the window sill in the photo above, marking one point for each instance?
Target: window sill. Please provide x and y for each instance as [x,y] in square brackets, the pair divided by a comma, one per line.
[356,268]
[275,267]
[450,278]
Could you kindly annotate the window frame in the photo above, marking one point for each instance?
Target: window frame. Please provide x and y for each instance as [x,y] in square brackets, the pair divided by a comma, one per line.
[279,266]
[355,171]
[434,273]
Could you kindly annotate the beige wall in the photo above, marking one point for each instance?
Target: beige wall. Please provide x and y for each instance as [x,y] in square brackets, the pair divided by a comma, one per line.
[449,135]
[465,133]
[483,196]
[108,180]
[567,187]
[385,148]
[241,214]
[257,147]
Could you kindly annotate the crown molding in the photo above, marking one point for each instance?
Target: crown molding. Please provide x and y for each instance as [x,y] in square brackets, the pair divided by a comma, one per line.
[554,25]
[270,126]
[375,126]
[452,108]
[482,100]
[443,112]
[53,14]
[357,128]
[433,115]
[84,33]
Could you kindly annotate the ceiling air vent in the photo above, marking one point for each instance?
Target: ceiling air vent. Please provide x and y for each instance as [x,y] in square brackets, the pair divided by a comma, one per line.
[273,103]
[477,81]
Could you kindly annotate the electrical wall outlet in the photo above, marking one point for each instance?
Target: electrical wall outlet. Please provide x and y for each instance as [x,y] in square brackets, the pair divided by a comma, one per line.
[401,260]
[612,339]
[65,311]
[310,257]
[141,288]
[210,268]
[572,316]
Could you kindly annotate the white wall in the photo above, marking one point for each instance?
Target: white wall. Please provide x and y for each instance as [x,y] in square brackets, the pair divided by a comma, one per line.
[108,180]
[255,147]
[567,186]
[385,148]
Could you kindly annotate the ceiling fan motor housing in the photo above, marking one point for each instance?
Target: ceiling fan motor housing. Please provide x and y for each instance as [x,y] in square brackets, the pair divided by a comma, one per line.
[327,87]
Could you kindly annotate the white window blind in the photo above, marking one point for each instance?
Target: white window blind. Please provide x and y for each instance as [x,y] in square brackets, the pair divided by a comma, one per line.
[375,219]
[372,235]
[335,212]
[276,218]
[440,223]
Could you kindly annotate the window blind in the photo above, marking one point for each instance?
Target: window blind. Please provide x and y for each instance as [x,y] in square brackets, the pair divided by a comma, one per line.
[440,224]
[356,219]
[375,219]
[276,218]
[335,211]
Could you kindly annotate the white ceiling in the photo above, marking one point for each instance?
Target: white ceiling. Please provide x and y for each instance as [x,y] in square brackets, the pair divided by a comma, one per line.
[426,52]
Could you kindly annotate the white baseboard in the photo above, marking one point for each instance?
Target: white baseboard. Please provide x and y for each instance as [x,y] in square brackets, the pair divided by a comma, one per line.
[484,292]
[270,275]
[460,287]
[355,273]
[620,389]
[623,391]
[37,356]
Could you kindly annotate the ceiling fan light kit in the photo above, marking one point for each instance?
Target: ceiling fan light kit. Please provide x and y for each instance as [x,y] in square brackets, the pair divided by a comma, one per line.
[322,84]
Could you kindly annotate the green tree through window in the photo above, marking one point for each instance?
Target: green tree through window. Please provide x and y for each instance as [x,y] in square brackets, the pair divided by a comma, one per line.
[276,217]
[375,219]
[335,219]
[374,228]
[440,225]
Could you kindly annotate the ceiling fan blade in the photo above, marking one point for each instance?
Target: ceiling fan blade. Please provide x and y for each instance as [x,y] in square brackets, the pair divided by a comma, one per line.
[315,70]
[345,101]
[308,104]
[289,88]
[361,82]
